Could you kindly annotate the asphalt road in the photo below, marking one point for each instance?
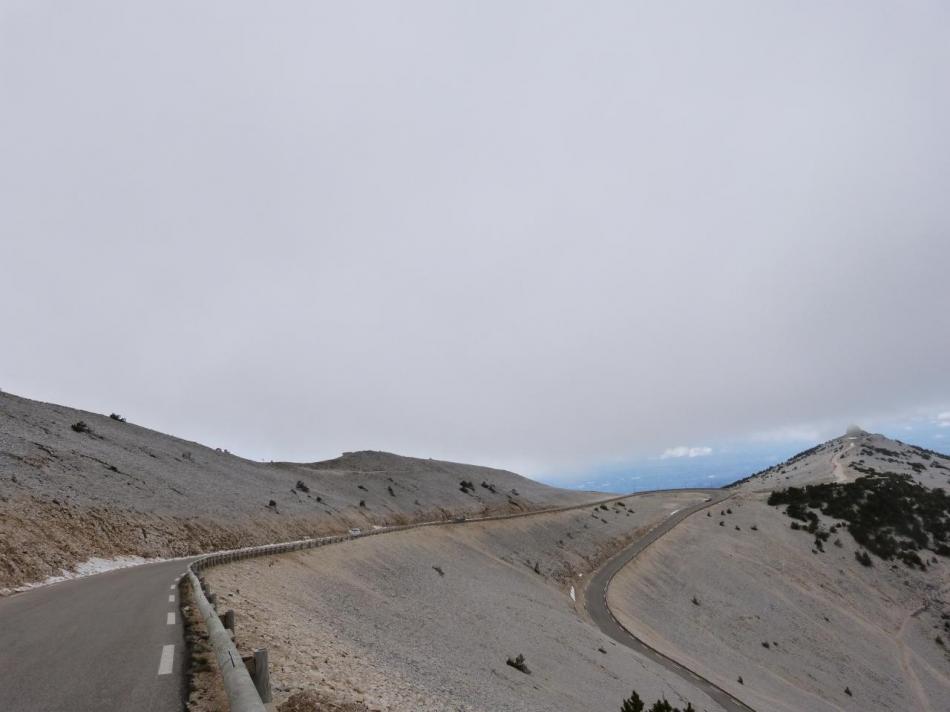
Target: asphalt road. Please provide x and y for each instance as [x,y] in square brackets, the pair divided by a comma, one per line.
[95,644]
[596,601]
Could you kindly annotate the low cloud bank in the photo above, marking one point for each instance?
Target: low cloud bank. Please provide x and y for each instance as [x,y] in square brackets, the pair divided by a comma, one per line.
[684,451]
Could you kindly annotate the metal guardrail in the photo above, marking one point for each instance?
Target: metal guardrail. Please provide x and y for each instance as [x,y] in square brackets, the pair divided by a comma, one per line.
[243,695]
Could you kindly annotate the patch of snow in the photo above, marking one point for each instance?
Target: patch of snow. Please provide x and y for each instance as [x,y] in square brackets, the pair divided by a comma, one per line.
[90,567]
[573,595]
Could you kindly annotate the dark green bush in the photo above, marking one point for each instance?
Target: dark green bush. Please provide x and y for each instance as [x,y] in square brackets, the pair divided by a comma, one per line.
[891,515]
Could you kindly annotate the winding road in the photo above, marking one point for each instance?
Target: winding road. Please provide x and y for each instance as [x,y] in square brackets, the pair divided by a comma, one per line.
[114,642]
[596,603]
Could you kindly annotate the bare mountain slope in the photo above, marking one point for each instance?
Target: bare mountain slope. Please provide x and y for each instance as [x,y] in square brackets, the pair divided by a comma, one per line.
[115,488]
[846,458]
[779,610]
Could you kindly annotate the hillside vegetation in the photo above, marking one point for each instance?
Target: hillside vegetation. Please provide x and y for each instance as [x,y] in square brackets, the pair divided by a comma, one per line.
[889,514]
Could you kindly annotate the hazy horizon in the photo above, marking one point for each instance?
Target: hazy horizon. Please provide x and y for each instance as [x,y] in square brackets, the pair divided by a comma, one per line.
[702,466]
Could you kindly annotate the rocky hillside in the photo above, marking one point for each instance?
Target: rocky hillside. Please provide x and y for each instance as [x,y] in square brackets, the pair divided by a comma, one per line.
[823,584]
[75,485]
[846,458]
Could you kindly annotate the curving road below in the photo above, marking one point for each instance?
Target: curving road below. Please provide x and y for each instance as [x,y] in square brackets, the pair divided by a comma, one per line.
[596,603]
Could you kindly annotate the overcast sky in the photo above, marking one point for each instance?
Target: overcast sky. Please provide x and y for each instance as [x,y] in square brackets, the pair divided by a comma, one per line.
[540,235]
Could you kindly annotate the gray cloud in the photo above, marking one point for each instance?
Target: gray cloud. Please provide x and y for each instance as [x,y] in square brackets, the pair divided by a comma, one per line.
[536,236]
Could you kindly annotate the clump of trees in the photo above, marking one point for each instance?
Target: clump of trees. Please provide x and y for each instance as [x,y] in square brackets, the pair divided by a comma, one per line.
[890,515]
[635,704]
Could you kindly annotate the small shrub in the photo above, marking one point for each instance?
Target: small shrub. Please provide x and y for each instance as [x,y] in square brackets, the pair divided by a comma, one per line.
[754,528]
[765,644]
[740,681]
[272,504]
[847,691]
[302,486]
[362,488]
[438,570]
[518,663]
[116,416]
[80,427]
[863,558]
[537,567]
[390,489]
[363,503]
[695,601]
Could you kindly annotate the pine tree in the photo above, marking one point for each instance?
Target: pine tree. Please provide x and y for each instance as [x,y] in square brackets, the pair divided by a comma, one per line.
[632,703]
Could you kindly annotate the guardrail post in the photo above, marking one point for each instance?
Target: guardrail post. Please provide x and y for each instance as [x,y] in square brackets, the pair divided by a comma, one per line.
[227,619]
[256,665]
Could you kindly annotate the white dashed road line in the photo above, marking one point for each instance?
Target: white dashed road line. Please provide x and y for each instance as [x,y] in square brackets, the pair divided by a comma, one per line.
[170,619]
[168,657]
